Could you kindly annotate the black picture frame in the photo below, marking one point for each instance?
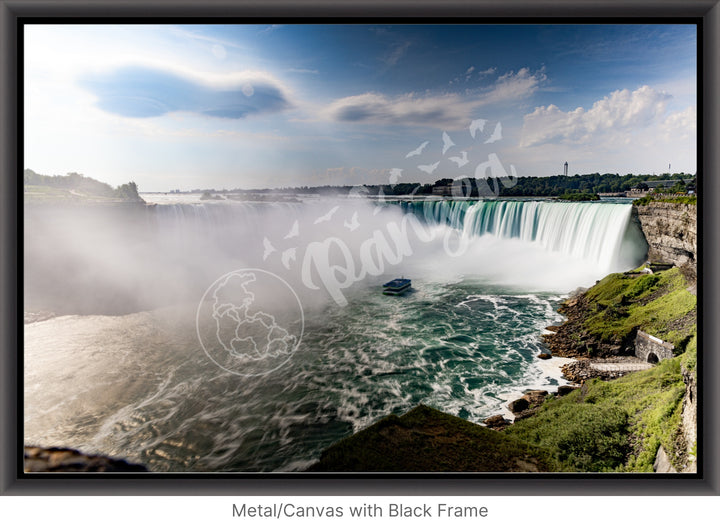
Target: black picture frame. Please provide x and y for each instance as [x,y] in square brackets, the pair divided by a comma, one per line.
[13,13]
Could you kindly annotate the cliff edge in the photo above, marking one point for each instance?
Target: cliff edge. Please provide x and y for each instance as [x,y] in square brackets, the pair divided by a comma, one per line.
[671,232]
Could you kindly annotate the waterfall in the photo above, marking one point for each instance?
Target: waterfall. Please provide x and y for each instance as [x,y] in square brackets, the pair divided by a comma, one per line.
[594,232]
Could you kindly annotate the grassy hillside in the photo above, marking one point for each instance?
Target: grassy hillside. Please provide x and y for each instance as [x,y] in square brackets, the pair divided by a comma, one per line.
[659,304]
[618,425]
[74,188]
[426,439]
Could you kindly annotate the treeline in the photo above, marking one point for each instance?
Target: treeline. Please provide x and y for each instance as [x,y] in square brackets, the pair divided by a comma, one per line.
[82,185]
[586,185]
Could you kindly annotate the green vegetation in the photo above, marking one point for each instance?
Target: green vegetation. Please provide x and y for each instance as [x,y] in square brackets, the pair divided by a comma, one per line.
[75,187]
[650,198]
[579,196]
[581,436]
[659,304]
[425,439]
[619,425]
[613,426]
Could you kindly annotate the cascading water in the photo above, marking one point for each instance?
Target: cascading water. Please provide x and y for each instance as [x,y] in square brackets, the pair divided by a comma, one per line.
[593,232]
[133,381]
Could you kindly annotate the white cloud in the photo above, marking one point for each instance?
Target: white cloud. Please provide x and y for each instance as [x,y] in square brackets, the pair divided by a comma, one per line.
[627,131]
[622,110]
[681,125]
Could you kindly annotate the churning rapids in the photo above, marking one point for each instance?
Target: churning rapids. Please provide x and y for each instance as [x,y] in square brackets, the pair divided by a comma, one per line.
[121,369]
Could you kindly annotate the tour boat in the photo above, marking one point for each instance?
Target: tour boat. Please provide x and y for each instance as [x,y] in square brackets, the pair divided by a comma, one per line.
[396,286]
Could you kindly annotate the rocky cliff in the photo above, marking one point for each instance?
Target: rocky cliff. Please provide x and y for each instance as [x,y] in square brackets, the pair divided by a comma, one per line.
[671,232]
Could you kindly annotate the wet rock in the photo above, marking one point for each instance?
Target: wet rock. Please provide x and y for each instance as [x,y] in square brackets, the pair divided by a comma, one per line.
[518,405]
[496,422]
[565,389]
[544,356]
[535,397]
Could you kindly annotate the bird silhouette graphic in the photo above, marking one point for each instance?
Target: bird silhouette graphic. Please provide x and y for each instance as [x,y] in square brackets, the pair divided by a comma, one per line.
[477,125]
[268,248]
[326,217]
[380,202]
[395,173]
[418,150]
[460,161]
[447,142]
[353,223]
[496,135]
[287,256]
[294,231]
[429,168]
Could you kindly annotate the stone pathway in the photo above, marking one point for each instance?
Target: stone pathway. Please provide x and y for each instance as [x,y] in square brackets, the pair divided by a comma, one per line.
[621,366]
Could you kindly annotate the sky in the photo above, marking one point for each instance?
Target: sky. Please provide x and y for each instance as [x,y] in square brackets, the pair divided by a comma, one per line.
[255,106]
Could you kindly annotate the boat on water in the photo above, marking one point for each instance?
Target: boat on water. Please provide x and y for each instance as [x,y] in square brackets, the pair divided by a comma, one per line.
[396,286]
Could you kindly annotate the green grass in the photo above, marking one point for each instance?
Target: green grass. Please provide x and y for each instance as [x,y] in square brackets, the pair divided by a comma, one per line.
[618,425]
[685,200]
[655,303]
[615,425]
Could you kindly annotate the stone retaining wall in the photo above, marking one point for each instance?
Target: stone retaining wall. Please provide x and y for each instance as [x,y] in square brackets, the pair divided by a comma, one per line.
[651,349]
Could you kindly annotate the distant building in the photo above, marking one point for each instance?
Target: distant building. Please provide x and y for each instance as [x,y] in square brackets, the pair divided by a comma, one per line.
[667,183]
[566,168]
[442,190]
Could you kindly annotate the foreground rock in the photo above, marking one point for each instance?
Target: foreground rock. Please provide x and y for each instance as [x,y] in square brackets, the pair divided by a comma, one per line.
[426,439]
[497,422]
[55,459]
[528,404]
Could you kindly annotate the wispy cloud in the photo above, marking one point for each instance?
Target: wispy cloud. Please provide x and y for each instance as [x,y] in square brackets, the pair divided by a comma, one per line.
[443,111]
[144,91]
[271,28]
[450,110]
[514,86]
[396,53]
[303,71]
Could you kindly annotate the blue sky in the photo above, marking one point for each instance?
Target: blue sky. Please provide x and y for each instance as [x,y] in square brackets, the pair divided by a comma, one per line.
[226,106]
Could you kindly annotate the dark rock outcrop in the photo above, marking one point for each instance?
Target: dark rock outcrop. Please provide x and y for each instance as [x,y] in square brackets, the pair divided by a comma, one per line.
[57,459]
[528,404]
